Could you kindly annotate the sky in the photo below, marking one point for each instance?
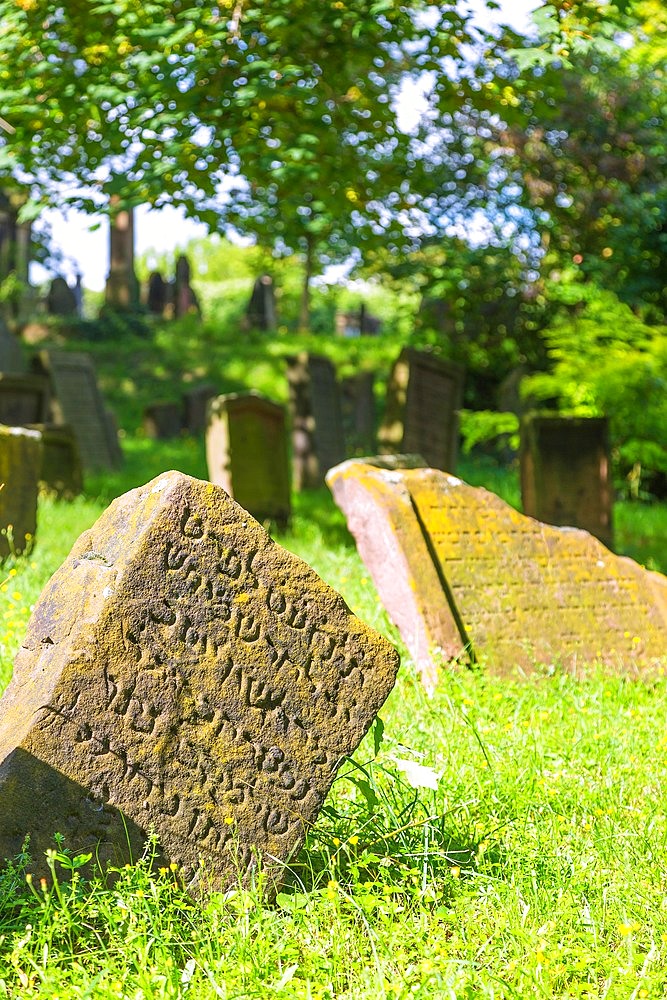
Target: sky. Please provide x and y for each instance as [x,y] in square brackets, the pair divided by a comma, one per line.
[83,239]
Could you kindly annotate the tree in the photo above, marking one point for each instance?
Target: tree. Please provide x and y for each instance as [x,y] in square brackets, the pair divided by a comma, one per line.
[171,100]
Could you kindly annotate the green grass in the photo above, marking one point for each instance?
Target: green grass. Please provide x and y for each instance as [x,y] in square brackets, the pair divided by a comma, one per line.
[535,868]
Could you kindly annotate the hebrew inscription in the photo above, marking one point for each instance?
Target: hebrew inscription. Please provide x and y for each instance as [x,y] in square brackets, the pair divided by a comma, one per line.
[200,680]
[511,592]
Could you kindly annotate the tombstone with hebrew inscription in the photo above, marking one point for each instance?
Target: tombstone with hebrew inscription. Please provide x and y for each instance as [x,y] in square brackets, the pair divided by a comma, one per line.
[78,402]
[466,577]
[20,463]
[566,472]
[424,395]
[317,421]
[246,452]
[183,674]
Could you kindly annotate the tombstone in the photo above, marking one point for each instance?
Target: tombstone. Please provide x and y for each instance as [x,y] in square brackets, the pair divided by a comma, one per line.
[60,470]
[24,399]
[158,294]
[261,309]
[122,289]
[12,361]
[424,395]
[61,299]
[465,577]
[20,462]
[184,298]
[78,402]
[246,452]
[317,421]
[358,411]
[185,675]
[508,396]
[162,421]
[566,472]
[195,404]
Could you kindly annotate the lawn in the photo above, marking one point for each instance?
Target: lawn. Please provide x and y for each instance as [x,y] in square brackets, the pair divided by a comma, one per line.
[525,858]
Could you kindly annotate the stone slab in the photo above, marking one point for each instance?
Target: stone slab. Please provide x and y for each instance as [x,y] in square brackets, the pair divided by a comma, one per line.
[20,464]
[424,395]
[183,673]
[24,399]
[195,404]
[162,421]
[466,577]
[246,453]
[79,403]
[317,421]
[60,471]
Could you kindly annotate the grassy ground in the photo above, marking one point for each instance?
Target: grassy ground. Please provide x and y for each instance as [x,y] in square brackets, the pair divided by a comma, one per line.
[529,862]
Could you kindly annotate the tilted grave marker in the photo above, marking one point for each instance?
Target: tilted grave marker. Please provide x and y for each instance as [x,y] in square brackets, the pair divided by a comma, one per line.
[183,673]
[465,576]
[424,395]
[566,472]
[79,403]
[317,422]
[246,452]
[20,463]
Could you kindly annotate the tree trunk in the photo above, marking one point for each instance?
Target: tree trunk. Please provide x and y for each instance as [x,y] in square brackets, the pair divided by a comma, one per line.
[304,311]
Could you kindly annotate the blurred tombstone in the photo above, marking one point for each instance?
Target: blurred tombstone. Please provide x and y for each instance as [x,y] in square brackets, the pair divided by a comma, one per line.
[184,298]
[368,324]
[424,395]
[24,399]
[317,421]
[261,309]
[566,472]
[162,421]
[508,396]
[122,289]
[246,452]
[357,324]
[61,299]
[60,470]
[195,403]
[20,463]
[11,355]
[158,294]
[358,411]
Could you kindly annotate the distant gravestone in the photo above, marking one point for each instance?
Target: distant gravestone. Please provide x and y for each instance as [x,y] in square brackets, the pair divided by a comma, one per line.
[162,421]
[12,361]
[24,399]
[358,411]
[61,299]
[185,300]
[246,451]
[317,420]
[20,462]
[464,576]
[60,470]
[424,395]
[566,472]
[183,674]
[158,294]
[261,309]
[195,407]
[78,402]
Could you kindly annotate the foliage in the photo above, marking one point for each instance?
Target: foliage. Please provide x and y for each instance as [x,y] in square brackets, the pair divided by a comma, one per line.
[606,361]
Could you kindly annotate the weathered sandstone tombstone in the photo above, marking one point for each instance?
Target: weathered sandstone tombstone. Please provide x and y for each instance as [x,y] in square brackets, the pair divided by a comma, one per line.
[78,402]
[162,421]
[424,395]
[182,673]
[24,399]
[317,422]
[246,452]
[466,577]
[566,472]
[60,470]
[20,462]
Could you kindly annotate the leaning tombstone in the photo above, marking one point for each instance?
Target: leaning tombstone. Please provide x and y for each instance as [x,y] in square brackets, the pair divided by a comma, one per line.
[195,405]
[183,675]
[424,395]
[246,451]
[60,470]
[20,463]
[79,403]
[466,578]
[317,420]
[24,399]
[566,472]
[162,421]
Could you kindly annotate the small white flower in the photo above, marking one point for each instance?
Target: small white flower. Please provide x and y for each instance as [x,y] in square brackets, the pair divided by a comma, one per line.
[418,775]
